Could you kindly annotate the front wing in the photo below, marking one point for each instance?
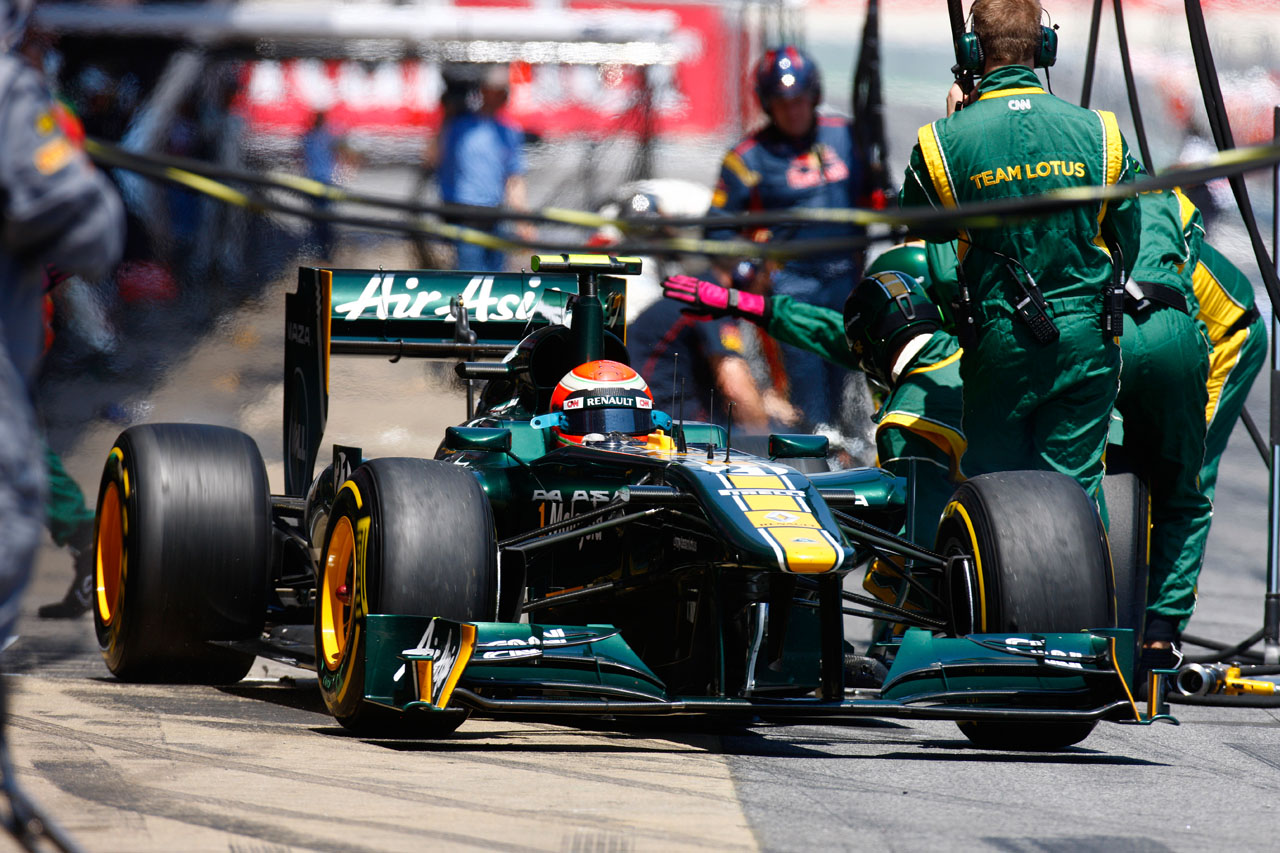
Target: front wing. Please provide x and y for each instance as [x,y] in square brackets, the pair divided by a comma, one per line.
[425,665]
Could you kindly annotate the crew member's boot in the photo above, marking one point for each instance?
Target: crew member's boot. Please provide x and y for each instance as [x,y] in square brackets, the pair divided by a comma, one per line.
[79,597]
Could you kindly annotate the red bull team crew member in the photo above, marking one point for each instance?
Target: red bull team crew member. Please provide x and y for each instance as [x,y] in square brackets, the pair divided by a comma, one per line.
[1041,372]
[806,160]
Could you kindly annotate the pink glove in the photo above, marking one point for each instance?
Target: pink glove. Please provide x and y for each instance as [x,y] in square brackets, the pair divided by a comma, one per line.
[716,301]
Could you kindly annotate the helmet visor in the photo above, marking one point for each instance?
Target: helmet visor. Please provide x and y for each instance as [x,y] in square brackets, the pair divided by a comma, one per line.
[605,421]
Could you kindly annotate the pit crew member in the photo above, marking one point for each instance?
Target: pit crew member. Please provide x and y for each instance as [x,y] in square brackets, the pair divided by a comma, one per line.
[1040,380]
[1239,337]
[1163,398]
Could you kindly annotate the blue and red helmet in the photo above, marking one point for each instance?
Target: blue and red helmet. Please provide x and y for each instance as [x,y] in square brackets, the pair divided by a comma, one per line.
[787,72]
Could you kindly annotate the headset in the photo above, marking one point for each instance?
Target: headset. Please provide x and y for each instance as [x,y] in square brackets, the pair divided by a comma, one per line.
[970,55]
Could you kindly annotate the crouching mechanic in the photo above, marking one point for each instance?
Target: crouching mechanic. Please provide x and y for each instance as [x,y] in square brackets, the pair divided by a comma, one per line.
[891,331]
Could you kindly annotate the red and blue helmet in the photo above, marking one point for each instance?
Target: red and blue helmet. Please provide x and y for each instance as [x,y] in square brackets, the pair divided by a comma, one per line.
[787,72]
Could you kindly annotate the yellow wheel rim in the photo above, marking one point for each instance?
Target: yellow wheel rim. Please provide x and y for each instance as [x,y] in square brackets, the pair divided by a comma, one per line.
[109,560]
[335,613]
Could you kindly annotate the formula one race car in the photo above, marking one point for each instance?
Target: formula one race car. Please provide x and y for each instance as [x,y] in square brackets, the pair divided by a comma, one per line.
[572,550]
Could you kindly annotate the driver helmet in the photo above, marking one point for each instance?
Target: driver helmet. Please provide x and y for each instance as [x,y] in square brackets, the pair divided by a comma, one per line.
[599,398]
[883,312]
[787,72]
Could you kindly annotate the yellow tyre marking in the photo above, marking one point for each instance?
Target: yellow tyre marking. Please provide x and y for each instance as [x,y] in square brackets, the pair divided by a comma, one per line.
[109,559]
[953,508]
[335,624]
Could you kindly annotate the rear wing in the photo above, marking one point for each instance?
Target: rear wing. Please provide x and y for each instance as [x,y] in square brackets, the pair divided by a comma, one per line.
[408,314]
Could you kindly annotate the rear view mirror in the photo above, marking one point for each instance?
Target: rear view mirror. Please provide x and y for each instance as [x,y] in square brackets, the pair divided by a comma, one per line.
[785,446]
[482,439]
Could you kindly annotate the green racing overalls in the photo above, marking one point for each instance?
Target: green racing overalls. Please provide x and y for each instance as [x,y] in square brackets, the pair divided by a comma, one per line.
[1028,404]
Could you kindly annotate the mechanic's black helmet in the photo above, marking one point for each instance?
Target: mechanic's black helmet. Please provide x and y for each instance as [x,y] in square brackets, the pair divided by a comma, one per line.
[882,312]
[787,72]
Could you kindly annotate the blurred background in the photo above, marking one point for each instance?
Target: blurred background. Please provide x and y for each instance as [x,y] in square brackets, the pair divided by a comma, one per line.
[612,98]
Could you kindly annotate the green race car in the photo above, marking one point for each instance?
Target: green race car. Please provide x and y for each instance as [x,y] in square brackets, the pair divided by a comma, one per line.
[656,572]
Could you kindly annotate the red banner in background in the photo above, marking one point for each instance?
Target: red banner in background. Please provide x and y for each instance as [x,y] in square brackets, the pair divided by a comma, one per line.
[402,97]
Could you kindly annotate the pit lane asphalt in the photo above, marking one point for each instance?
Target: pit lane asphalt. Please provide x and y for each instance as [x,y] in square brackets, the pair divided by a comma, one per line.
[261,767]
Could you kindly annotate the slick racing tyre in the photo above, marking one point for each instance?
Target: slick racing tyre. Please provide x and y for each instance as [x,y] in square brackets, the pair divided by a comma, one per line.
[1128,523]
[409,537]
[1037,563]
[183,542]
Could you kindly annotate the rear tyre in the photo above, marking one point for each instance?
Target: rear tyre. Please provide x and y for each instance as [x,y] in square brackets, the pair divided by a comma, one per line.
[1039,564]
[423,532]
[183,550]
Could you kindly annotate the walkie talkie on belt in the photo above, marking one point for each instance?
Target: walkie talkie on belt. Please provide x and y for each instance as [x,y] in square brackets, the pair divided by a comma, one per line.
[1033,309]
[1113,302]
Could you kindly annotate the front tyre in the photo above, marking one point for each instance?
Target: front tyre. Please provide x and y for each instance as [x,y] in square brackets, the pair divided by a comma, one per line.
[183,549]
[1038,564]
[407,537]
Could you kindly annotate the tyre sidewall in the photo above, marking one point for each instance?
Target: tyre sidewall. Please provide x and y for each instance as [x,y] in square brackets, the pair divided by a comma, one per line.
[196,549]
[1027,527]
[413,521]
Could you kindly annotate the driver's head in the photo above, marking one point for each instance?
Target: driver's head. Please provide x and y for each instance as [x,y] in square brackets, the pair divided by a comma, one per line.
[599,398]
[789,87]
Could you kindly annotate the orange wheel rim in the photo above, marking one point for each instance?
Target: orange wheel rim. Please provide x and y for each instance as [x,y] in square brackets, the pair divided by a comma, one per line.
[335,609]
[109,561]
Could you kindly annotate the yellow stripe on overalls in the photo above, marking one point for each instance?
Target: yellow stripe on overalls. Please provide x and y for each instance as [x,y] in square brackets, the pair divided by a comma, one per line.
[936,163]
[1219,312]
[931,148]
[941,436]
[1113,162]
[1012,93]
